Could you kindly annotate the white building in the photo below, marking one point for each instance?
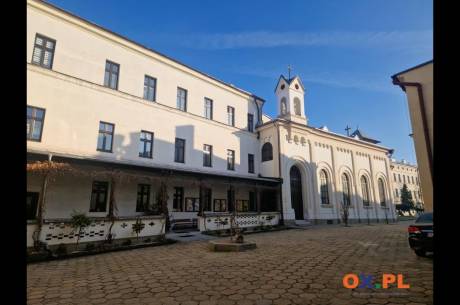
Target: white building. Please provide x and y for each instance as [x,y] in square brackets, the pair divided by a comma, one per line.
[408,174]
[120,121]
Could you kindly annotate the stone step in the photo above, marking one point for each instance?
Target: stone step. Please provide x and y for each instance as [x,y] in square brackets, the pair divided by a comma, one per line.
[303,223]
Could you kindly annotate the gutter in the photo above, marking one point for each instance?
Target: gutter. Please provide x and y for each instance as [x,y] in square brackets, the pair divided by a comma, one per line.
[396,81]
[279,173]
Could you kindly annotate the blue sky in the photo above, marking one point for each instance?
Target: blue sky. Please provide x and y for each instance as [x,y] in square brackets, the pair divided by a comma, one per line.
[344,51]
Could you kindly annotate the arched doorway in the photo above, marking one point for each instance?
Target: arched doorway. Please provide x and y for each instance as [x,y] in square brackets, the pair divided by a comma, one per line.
[296,192]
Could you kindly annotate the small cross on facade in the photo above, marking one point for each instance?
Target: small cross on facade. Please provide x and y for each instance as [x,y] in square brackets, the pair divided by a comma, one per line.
[348,130]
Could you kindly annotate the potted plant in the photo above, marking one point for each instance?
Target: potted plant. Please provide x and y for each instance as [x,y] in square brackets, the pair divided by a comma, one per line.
[79,221]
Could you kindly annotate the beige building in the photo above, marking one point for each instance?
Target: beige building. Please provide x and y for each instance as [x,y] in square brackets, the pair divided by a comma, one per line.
[133,135]
[406,173]
[417,82]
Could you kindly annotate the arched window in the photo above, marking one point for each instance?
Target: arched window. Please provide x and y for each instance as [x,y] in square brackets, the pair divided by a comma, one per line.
[381,185]
[297,106]
[267,152]
[324,182]
[283,106]
[365,190]
[346,189]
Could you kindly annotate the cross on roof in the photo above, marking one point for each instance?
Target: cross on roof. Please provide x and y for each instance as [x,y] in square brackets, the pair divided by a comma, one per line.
[289,71]
[348,130]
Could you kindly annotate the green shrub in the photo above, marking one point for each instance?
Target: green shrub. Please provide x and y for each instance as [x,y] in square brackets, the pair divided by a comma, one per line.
[127,242]
[90,247]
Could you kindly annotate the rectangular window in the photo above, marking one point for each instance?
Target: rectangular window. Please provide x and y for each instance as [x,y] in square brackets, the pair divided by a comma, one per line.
[192,204]
[105,137]
[179,153]
[412,179]
[207,199]
[32,204]
[397,192]
[251,163]
[399,177]
[230,159]
[394,175]
[112,70]
[43,51]
[146,144]
[208,108]
[143,197]
[230,116]
[99,196]
[207,155]
[150,85]
[178,199]
[35,120]
[404,179]
[242,205]
[250,122]
[220,205]
[181,99]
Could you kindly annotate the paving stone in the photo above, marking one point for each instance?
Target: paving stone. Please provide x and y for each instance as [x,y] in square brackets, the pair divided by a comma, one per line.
[288,267]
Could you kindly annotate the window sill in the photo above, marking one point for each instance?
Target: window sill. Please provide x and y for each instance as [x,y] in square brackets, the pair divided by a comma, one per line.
[367,207]
[146,157]
[105,151]
[328,206]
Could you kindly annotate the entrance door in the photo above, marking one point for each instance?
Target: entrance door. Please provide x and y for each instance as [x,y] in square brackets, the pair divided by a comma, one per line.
[296,192]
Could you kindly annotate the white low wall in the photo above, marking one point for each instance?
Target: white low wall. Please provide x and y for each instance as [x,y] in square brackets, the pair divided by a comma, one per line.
[221,221]
[59,231]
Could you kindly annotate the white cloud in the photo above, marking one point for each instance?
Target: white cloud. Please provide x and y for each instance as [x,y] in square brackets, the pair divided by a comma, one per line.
[268,39]
[336,79]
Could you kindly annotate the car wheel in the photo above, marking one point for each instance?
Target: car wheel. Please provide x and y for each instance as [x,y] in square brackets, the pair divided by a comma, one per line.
[420,253]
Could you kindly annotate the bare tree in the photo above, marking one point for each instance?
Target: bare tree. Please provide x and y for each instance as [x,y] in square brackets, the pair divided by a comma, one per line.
[345,212]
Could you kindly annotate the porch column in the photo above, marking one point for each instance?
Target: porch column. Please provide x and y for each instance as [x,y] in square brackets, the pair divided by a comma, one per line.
[231,198]
[201,203]
[257,193]
[41,207]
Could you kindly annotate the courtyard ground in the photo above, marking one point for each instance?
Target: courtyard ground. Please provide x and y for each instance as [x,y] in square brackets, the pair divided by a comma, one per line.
[288,267]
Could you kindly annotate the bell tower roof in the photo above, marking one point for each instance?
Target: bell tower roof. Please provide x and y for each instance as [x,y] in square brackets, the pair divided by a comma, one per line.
[289,81]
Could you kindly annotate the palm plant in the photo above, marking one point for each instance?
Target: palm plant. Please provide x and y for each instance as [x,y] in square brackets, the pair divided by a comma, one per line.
[79,221]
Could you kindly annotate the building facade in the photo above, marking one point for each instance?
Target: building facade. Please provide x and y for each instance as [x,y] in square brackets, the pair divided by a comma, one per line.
[408,174]
[417,83]
[124,134]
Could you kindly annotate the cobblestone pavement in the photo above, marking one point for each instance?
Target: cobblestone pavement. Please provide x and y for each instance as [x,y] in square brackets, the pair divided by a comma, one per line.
[288,267]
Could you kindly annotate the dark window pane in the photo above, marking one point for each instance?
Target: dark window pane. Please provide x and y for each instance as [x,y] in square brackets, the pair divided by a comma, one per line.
[32,203]
[179,150]
[99,196]
[111,75]
[105,136]
[35,117]
[250,163]
[43,51]
[267,152]
[250,122]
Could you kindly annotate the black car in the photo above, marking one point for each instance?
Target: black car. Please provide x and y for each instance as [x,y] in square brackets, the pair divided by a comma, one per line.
[421,234]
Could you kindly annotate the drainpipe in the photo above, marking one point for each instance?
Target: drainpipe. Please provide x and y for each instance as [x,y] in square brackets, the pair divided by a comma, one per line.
[396,81]
[279,173]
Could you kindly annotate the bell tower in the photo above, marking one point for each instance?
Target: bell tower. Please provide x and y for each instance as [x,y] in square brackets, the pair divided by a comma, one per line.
[290,99]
